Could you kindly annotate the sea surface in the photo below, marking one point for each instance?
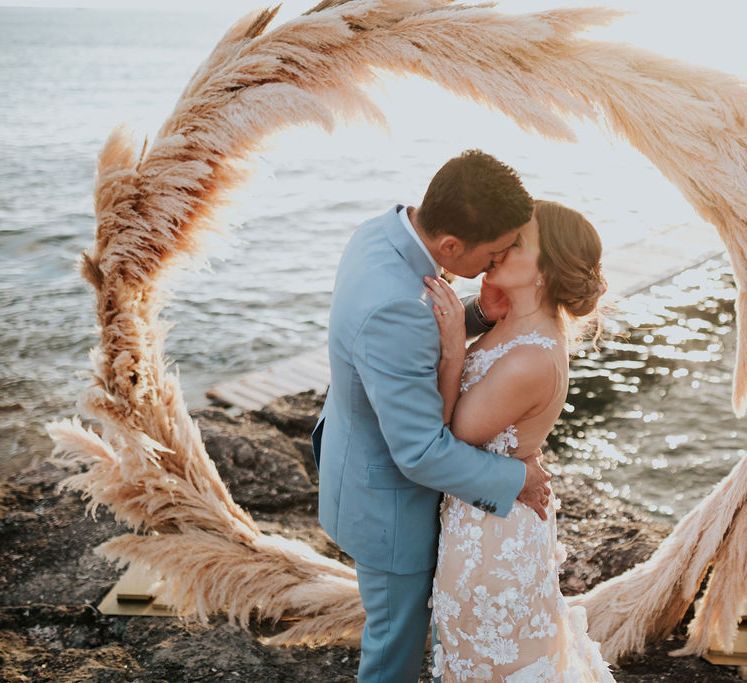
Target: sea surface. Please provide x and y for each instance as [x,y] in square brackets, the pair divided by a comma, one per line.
[648,415]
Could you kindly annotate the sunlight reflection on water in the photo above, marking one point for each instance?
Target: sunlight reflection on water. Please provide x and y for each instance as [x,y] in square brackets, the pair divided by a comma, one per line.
[648,415]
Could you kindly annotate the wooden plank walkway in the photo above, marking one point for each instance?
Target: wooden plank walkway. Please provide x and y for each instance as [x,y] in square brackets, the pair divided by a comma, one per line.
[255,389]
[629,269]
[634,267]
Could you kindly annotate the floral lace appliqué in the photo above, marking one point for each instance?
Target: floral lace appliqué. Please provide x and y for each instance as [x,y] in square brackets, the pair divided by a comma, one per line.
[505,443]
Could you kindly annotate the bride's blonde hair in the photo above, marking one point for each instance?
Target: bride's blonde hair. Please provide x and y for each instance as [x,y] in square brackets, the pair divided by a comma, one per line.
[570,263]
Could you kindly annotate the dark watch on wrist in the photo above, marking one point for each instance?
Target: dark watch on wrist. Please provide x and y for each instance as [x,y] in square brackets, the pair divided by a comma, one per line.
[480,314]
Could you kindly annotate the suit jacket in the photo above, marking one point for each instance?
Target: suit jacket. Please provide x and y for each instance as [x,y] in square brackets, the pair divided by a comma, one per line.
[383,452]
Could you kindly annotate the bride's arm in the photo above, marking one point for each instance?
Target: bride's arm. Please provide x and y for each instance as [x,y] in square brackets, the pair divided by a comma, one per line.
[449,378]
[449,312]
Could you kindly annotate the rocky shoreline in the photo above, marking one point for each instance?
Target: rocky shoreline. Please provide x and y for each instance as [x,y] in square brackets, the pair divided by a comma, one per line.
[50,580]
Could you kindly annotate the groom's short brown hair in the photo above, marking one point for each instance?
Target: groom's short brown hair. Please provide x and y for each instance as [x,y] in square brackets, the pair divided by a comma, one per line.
[474,197]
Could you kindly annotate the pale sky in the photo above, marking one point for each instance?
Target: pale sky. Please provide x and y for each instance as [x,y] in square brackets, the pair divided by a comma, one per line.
[708,33]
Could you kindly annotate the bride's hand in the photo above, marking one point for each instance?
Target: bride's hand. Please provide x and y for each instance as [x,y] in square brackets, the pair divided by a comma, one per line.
[449,312]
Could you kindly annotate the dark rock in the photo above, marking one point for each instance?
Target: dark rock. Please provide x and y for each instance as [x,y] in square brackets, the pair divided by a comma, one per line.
[293,415]
[656,665]
[603,535]
[262,467]
[50,580]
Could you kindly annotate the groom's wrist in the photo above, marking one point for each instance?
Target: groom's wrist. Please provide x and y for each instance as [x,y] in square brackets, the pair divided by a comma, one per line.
[480,314]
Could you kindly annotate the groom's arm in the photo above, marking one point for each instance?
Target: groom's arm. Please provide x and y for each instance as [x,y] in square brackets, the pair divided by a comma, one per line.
[474,318]
[482,310]
[396,354]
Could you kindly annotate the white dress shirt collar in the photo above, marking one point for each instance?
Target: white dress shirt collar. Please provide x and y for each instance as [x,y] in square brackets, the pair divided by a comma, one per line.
[413,233]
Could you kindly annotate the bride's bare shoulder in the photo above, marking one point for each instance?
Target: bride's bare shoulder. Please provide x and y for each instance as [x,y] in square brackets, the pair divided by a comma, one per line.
[525,368]
[525,363]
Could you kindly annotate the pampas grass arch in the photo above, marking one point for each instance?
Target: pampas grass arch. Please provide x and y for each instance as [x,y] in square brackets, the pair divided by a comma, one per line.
[148,464]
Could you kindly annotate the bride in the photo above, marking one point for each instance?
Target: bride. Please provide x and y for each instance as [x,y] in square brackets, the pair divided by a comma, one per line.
[497,603]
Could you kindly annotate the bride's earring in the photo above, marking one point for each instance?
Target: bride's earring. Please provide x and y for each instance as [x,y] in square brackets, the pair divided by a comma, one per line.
[539,282]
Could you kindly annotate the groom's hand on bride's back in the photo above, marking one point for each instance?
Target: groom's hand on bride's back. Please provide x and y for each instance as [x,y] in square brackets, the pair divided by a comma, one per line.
[536,492]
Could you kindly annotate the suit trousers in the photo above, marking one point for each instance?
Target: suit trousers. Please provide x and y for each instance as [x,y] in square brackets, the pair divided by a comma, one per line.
[397,622]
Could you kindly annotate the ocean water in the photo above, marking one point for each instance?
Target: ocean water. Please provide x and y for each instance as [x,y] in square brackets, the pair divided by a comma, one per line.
[648,416]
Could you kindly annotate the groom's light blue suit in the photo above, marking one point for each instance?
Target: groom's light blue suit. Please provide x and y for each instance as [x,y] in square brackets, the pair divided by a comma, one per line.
[383,452]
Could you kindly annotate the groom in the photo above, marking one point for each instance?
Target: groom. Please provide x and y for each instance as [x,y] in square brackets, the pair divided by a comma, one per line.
[386,456]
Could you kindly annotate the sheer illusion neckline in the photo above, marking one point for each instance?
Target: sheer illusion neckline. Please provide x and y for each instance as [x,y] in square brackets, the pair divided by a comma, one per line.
[480,361]
[533,337]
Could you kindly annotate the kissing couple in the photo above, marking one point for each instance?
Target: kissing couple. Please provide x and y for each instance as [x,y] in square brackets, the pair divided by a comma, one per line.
[430,468]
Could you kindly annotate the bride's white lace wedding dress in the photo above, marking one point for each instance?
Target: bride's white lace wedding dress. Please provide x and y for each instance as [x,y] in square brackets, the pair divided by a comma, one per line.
[496,596]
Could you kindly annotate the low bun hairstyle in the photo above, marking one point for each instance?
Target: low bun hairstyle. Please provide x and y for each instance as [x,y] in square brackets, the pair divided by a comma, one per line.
[569,260]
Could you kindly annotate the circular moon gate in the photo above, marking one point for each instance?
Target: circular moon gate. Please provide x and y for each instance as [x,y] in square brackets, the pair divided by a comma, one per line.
[148,464]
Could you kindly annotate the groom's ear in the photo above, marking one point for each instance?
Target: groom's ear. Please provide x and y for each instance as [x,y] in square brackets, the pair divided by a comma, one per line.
[450,246]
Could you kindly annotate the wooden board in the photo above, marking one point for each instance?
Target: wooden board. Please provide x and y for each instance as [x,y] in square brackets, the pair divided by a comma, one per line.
[134,595]
[721,658]
[254,390]
[637,266]
[736,658]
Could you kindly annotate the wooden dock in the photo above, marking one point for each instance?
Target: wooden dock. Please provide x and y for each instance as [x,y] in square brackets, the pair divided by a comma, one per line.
[634,267]
[255,389]
[629,269]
